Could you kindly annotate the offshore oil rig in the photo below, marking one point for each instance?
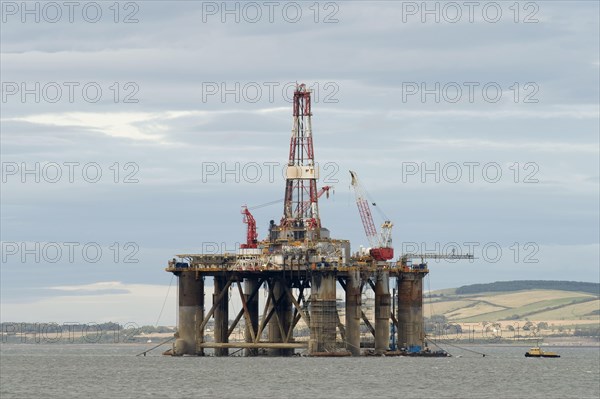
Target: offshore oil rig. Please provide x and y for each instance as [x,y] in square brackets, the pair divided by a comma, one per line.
[301,267]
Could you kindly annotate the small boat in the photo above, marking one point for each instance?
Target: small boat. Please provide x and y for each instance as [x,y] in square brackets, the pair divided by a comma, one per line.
[537,352]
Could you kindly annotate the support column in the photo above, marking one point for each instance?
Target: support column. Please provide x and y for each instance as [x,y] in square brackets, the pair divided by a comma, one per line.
[191,314]
[250,284]
[410,310]
[353,307]
[284,313]
[382,312]
[199,314]
[323,316]
[221,316]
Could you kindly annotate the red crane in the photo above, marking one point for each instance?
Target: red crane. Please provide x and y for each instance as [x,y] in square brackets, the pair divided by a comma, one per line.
[251,235]
[381,245]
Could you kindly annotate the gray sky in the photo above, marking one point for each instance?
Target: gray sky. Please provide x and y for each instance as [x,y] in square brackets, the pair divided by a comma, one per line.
[194,113]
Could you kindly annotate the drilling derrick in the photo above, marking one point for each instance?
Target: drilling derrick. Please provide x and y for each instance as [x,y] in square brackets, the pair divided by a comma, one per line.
[301,221]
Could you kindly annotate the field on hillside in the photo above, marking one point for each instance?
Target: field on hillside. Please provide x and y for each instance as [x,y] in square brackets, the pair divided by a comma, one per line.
[560,307]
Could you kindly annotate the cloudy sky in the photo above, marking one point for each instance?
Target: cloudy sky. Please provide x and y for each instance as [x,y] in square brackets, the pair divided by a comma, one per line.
[134,133]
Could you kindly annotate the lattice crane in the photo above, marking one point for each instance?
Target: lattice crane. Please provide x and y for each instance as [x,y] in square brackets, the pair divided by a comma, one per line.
[251,234]
[381,244]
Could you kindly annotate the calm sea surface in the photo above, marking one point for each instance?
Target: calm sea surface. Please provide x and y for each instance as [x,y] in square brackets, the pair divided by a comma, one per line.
[112,371]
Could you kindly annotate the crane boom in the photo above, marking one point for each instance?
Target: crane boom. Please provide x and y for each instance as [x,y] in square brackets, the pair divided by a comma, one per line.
[381,246]
[437,256]
[405,257]
[251,234]
[364,211]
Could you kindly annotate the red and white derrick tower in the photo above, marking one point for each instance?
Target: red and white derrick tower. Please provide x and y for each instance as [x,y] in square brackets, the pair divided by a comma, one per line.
[301,210]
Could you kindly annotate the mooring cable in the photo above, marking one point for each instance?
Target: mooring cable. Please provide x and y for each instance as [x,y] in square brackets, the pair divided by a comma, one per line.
[154,347]
[234,352]
[440,347]
[458,347]
[158,319]
[164,302]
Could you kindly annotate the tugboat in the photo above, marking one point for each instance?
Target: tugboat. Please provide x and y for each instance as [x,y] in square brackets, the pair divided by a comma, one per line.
[537,352]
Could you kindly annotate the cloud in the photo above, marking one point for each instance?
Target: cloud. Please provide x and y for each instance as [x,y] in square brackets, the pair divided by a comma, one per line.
[583,111]
[137,126]
[529,146]
[101,288]
[96,302]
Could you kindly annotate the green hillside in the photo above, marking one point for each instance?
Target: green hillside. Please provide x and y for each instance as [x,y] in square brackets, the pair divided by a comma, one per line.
[518,300]
[505,286]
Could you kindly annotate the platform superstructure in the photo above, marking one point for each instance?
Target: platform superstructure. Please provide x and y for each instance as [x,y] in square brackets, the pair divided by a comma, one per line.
[297,270]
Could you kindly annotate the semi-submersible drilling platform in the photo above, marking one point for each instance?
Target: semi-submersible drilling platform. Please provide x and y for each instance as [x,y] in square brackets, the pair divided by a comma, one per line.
[300,266]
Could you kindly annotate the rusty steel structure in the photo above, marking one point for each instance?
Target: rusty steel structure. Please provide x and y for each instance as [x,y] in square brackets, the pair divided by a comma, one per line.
[287,284]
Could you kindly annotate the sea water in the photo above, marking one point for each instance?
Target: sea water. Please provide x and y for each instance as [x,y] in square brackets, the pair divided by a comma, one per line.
[113,371]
